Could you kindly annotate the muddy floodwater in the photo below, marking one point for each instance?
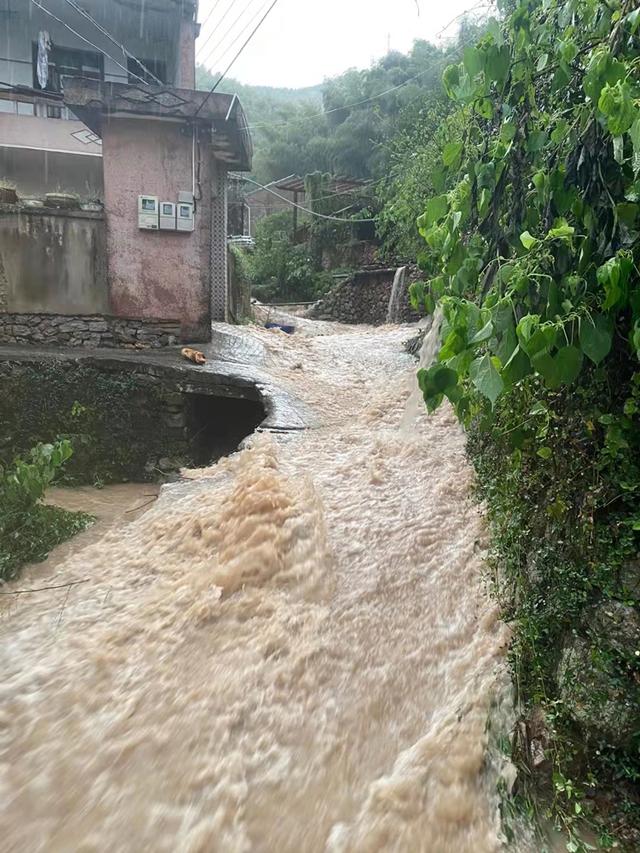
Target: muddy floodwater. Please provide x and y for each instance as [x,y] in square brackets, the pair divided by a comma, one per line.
[291,650]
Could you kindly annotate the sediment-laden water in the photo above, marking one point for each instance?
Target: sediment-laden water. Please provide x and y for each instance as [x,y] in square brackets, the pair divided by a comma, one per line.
[291,650]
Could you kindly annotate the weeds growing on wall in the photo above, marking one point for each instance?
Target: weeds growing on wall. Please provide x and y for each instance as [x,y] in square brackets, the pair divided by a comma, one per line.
[28,528]
[531,248]
[113,420]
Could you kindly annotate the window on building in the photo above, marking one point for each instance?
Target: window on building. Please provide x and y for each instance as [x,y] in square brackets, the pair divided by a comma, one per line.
[57,111]
[25,108]
[157,67]
[68,62]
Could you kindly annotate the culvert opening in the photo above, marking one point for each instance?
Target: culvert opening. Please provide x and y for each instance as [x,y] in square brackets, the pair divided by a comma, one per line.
[218,425]
[126,423]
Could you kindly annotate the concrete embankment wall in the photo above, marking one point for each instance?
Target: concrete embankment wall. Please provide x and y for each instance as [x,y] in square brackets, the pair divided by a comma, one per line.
[52,260]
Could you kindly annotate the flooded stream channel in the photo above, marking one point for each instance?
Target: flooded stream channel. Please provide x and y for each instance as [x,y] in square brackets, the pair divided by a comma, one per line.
[289,650]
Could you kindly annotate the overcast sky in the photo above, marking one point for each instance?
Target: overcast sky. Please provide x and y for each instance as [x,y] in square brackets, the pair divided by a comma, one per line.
[304,41]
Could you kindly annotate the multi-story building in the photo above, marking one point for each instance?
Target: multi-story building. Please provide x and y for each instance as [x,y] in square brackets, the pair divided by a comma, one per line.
[43,147]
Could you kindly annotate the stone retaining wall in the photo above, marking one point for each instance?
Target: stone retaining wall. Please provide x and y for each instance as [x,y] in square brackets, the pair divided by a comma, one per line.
[363,298]
[91,330]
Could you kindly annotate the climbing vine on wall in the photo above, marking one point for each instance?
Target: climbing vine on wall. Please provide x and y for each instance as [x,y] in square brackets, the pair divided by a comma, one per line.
[531,251]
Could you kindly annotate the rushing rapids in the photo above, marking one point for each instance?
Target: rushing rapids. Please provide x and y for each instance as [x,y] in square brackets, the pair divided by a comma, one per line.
[291,650]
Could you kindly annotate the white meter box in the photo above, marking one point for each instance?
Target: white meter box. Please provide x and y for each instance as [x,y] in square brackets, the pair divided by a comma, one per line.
[185,216]
[167,216]
[148,212]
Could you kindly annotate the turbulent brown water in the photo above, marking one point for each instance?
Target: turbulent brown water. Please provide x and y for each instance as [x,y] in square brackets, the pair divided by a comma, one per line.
[291,650]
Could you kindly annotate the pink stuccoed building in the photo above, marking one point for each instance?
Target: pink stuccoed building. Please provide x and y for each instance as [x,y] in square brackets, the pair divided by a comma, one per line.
[154,152]
[165,147]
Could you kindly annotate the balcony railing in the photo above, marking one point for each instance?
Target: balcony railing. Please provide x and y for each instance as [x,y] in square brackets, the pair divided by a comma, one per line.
[27,103]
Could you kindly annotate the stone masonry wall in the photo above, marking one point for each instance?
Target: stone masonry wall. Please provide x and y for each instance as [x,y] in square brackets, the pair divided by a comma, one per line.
[90,330]
[363,298]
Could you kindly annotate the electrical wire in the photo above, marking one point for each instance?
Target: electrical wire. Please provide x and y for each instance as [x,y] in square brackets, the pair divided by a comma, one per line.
[214,30]
[213,9]
[305,209]
[345,107]
[363,190]
[243,30]
[108,35]
[233,61]
[86,41]
[373,97]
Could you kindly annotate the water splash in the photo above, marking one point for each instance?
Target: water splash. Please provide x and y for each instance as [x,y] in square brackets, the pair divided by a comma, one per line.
[396,299]
[427,355]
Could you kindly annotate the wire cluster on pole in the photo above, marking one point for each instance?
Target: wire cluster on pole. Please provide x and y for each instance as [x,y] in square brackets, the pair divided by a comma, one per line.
[304,209]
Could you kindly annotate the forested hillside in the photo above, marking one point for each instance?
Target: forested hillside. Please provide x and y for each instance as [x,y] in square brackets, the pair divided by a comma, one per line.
[345,125]
[376,124]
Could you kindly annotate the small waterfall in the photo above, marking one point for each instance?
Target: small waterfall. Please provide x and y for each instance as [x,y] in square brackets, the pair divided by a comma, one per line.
[397,295]
[428,353]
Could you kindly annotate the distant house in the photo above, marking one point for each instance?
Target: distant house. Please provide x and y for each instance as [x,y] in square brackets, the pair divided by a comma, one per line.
[264,202]
[289,195]
[44,43]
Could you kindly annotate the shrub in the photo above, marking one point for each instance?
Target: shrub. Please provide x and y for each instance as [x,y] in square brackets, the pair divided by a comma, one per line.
[29,529]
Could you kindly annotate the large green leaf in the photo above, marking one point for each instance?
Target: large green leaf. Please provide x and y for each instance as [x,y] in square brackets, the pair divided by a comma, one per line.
[613,276]
[435,382]
[535,338]
[486,378]
[527,240]
[473,60]
[497,64]
[602,69]
[517,367]
[484,334]
[437,208]
[596,336]
[451,79]
[559,369]
[451,154]
[616,103]
[561,230]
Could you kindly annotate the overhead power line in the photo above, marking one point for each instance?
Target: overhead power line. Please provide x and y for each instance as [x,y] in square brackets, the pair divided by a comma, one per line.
[300,207]
[345,107]
[108,35]
[485,5]
[211,11]
[214,30]
[232,44]
[230,65]
[86,41]
[229,30]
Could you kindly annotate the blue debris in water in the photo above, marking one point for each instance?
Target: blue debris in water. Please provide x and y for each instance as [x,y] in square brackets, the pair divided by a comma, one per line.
[288,329]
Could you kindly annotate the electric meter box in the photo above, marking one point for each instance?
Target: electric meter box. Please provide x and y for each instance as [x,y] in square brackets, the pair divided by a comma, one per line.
[148,212]
[185,216]
[167,216]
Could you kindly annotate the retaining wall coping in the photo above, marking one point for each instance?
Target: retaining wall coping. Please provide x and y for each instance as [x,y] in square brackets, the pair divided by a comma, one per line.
[23,209]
